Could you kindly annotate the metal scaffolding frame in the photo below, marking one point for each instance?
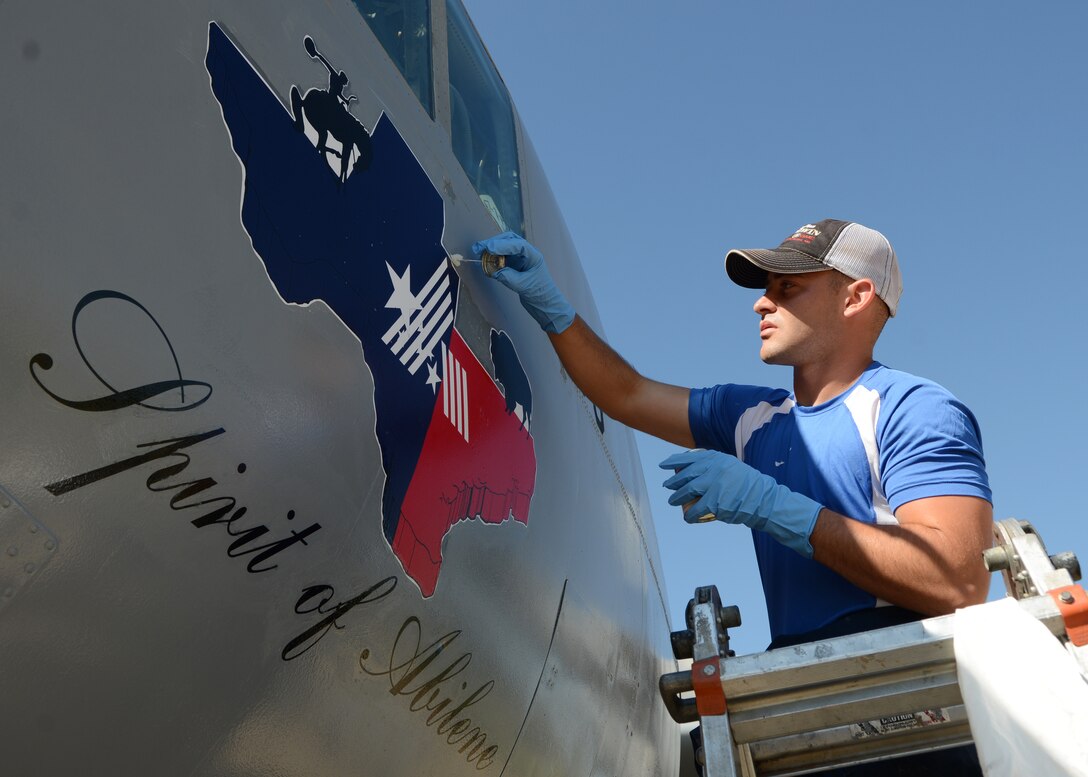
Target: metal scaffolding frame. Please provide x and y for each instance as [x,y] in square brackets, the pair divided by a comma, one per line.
[857,698]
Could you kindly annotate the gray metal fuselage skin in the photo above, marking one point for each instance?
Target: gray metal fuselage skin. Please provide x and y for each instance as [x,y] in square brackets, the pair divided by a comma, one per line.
[200,570]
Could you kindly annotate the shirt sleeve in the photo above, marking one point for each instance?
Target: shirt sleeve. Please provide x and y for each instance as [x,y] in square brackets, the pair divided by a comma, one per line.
[713,412]
[930,445]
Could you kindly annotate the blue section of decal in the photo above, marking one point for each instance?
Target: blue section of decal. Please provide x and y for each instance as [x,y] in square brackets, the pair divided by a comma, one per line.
[367,241]
[511,375]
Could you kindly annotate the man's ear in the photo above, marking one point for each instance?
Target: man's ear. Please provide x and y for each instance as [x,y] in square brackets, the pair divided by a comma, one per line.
[860,295]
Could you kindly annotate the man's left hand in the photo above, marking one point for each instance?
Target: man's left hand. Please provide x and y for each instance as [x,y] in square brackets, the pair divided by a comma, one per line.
[734,492]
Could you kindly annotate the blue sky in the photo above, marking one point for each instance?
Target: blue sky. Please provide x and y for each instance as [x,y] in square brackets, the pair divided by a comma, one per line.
[673,132]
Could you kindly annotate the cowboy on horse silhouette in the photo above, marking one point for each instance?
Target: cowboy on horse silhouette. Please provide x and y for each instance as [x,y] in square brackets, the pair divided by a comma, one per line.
[327,112]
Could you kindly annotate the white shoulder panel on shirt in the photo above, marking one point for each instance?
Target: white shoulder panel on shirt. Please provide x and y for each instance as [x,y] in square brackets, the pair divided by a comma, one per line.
[864,407]
[755,418]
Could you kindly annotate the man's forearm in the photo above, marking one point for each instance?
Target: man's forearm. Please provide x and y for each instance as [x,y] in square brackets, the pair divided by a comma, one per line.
[601,373]
[619,389]
[595,367]
[926,568]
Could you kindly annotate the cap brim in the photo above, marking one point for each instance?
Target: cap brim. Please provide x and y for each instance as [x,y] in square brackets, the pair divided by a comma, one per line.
[748,267]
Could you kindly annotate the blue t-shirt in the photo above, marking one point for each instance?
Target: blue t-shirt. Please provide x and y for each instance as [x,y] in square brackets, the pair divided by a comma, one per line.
[889,439]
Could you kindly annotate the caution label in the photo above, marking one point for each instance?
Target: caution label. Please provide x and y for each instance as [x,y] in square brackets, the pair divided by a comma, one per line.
[893,723]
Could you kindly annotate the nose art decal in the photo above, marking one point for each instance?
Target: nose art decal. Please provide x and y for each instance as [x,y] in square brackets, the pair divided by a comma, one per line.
[348,216]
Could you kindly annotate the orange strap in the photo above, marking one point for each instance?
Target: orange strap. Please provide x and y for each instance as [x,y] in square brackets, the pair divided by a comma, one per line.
[1072,601]
[709,694]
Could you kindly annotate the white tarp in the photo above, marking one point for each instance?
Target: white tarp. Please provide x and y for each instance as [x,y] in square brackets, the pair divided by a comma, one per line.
[1025,697]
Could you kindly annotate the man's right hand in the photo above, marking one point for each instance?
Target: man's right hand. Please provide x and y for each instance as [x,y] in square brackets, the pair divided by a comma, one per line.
[526,274]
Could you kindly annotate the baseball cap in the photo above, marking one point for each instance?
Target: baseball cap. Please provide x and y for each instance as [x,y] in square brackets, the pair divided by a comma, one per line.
[854,250]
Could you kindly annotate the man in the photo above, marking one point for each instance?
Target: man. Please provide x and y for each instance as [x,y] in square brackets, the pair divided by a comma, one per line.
[865,487]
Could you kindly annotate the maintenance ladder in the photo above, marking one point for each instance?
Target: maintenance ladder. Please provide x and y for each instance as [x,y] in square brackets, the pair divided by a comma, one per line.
[857,698]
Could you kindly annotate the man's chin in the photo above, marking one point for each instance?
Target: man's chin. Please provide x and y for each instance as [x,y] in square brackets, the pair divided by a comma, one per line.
[772,356]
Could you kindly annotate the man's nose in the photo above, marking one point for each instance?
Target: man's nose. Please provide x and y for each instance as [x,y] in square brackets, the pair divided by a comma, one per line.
[763,306]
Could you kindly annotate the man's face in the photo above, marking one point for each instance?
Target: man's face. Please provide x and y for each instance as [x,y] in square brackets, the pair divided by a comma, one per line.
[800,316]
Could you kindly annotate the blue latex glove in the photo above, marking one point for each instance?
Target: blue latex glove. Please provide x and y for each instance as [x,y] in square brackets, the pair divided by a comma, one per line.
[734,492]
[526,273]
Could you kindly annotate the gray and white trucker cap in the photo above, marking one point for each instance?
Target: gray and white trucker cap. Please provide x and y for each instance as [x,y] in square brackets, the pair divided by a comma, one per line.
[852,249]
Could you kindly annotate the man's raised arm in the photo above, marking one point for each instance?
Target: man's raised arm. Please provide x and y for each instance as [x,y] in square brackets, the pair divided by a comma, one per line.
[602,374]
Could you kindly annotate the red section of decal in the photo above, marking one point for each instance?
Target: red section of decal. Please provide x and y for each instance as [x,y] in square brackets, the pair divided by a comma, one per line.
[477,461]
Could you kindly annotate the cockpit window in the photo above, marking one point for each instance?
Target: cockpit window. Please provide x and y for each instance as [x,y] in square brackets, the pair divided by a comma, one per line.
[404,29]
[482,120]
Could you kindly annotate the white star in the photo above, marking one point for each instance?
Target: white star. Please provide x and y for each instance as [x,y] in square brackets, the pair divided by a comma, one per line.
[402,298]
[432,377]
